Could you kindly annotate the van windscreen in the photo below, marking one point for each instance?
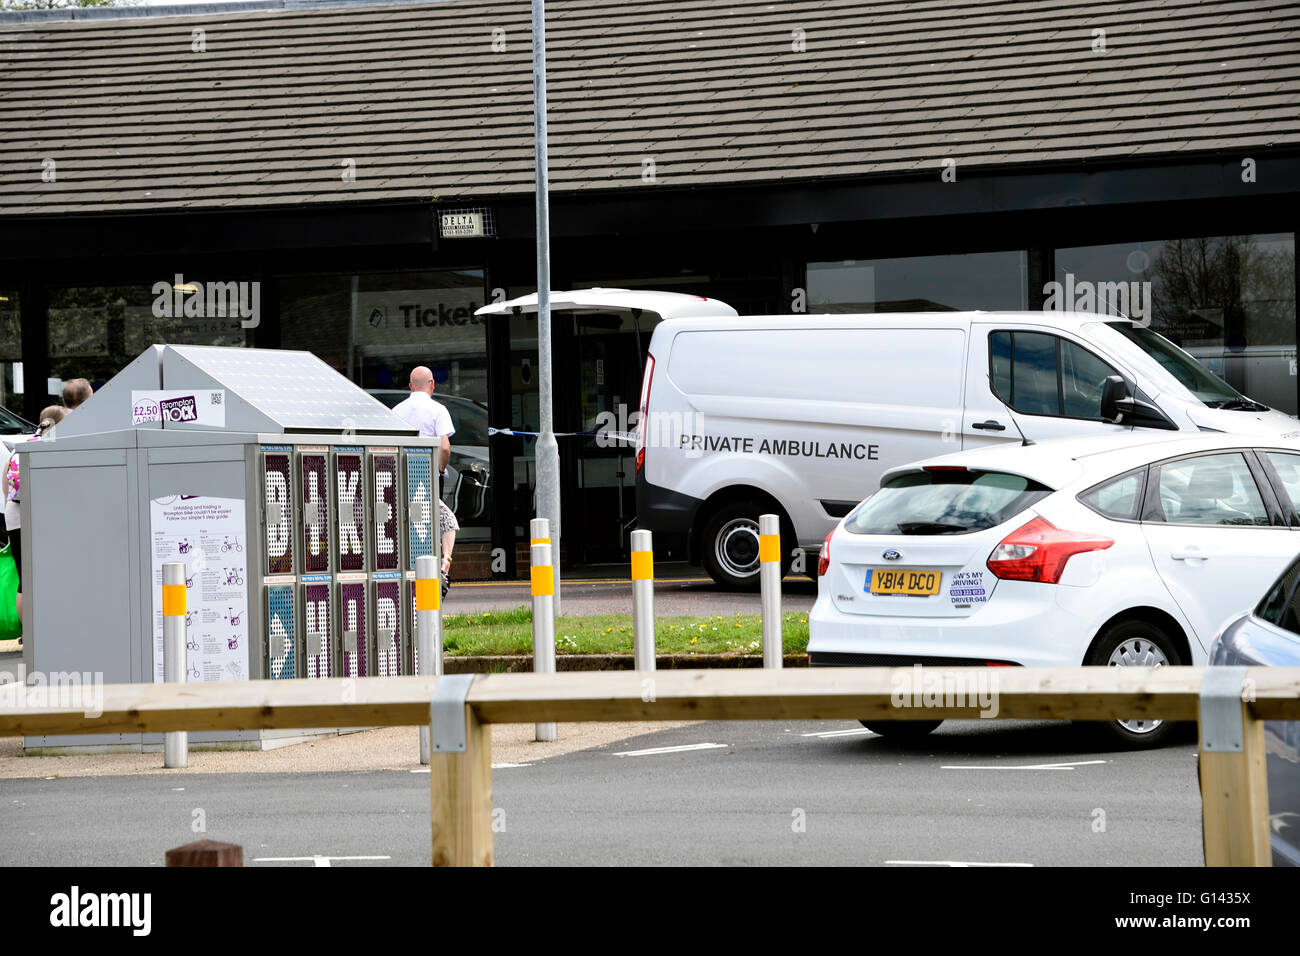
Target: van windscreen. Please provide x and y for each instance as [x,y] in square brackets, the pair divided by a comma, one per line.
[945,502]
[1184,368]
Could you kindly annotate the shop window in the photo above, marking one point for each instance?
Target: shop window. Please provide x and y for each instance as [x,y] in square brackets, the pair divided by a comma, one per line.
[1228,300]
[982,280]
[95,331]
[375,328]
[12,383]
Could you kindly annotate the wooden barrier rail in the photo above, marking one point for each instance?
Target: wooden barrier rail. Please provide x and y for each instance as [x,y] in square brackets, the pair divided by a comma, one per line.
[1233,783]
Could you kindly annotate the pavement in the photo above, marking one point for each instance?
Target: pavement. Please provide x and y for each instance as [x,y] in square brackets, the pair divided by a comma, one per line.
[679,590]
[386,748]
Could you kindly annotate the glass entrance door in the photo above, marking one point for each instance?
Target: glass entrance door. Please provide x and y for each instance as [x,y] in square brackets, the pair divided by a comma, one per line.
[608,382]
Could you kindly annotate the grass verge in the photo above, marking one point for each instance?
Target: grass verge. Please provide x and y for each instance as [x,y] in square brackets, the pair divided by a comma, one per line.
[511,632]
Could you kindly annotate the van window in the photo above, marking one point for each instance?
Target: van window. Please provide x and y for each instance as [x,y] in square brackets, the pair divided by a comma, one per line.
[909,367]
[1041,374]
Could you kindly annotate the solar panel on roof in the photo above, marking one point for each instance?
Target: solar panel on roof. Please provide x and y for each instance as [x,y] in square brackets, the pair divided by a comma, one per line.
[295,389]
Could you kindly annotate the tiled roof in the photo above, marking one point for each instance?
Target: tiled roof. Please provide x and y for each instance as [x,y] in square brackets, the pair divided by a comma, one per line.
[425,104]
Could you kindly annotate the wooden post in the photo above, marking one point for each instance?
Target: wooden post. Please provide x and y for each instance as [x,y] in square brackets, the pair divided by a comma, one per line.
[1234,800]
[206,853]
[460,786]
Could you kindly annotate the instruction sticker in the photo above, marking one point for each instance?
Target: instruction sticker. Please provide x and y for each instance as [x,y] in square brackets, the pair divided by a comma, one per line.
[966,589]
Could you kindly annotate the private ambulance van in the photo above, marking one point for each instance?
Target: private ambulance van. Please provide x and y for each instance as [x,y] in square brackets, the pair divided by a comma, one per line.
[799,415]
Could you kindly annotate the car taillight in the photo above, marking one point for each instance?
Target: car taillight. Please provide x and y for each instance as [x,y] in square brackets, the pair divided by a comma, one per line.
[645,408]
[1038,551]
[824,556]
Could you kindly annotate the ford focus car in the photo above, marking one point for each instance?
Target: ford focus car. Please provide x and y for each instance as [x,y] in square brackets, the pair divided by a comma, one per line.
[1108,552]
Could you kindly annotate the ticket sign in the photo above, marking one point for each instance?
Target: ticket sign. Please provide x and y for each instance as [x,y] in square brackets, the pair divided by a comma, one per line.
[384,482]
[388,628]
[352,627]
[314,485]
[316,607]
[280,631]
[277,512]
[349,482]
[422,513]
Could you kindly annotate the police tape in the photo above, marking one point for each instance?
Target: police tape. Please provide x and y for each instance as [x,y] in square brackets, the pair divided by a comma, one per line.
[613,436]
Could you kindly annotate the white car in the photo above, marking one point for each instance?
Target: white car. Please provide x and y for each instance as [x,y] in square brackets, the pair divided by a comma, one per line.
[1102,551]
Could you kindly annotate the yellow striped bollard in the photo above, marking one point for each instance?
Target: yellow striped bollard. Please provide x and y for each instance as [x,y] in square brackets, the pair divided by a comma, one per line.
[643,601]
[542,576]
[428,629]
[769,580]
[175,743]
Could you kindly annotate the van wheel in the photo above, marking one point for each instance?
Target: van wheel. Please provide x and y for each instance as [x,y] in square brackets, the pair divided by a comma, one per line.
[1134,644]
[729,546]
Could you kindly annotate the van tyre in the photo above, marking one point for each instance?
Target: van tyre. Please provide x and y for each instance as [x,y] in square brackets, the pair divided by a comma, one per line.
[729,546]
[1134,643]
[901,729]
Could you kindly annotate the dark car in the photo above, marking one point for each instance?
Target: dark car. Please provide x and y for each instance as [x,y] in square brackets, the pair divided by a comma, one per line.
[1270,635]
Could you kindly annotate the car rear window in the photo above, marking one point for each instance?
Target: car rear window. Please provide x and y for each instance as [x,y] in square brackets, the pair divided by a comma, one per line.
[945,502]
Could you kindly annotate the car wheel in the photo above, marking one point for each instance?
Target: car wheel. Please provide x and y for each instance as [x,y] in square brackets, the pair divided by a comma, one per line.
[729,546]
[901,729]
[1134,644]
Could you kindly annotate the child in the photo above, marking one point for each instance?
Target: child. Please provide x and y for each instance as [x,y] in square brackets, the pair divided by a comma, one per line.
[447,527]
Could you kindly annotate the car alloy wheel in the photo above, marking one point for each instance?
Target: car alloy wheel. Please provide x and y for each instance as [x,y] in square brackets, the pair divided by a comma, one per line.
[1138,652]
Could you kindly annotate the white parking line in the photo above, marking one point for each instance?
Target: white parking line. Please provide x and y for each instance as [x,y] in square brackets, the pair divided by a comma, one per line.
[1031,766]
[947,863]
[856,732]
[669,750]
[316,860]
[495,766]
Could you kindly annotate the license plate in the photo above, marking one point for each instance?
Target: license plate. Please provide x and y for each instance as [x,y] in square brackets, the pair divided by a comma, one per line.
[917,582]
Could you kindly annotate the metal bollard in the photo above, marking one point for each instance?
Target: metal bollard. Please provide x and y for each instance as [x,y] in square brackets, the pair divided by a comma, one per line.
[769,580]
[643,601]
[543,588]
[539,532]
[175,743]
[428,629]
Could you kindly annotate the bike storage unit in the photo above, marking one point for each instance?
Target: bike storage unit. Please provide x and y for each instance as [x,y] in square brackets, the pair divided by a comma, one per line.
[296,501]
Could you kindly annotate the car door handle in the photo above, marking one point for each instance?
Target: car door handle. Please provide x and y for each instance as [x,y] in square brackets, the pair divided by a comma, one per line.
[1191,554]
[990,426]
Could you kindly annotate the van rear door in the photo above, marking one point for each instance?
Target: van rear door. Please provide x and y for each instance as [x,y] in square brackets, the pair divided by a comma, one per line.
[667,305]
[1033,382]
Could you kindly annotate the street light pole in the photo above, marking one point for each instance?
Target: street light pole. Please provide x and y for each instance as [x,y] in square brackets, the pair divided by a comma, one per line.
[548,449]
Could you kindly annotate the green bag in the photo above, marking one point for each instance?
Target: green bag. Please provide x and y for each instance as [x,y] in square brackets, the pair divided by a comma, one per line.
[11,625]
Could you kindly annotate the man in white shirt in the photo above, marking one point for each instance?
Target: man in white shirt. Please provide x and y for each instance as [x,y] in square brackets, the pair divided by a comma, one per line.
[430,417]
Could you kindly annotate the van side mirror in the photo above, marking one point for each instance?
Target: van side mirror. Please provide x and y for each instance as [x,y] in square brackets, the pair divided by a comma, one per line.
[1113,391]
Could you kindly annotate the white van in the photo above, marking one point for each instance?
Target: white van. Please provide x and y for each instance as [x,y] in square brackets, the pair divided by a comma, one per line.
[801,414]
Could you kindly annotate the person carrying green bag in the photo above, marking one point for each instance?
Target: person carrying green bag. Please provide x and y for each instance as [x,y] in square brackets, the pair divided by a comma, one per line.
[11,623]
[11,556]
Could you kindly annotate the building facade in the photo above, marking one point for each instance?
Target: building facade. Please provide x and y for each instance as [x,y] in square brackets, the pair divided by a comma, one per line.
[355,181]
